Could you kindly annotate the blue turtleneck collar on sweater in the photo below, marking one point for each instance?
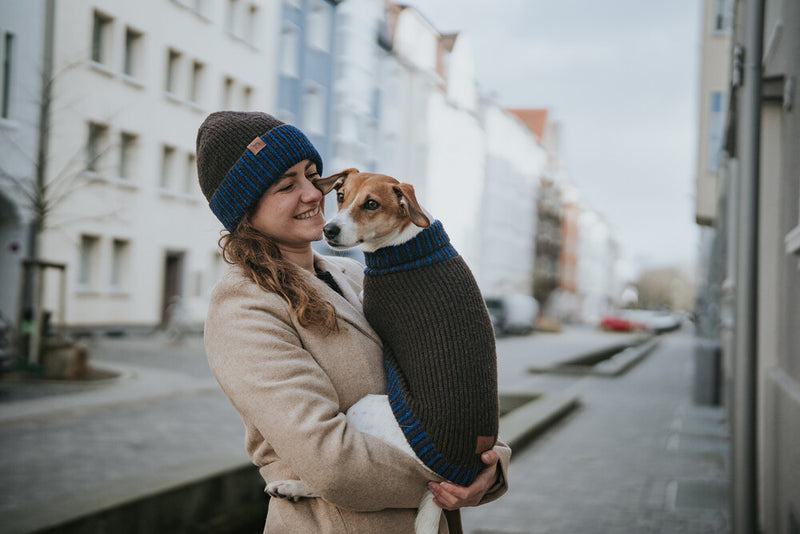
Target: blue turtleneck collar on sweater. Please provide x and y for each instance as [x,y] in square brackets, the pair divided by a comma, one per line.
[432,245]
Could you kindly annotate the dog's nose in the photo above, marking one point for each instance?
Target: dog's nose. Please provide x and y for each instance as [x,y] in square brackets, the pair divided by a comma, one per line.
[331,230]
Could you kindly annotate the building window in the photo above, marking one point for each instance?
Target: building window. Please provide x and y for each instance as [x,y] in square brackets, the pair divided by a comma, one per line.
[127,155]
[247,96]
[119,265]
[319,26]
[96,145]
[716,126]
[314,110]
[290,51]
[173,64]
[190,177]
[232,17]
[722,16]
[250,24]
[8,50]
[167,167]
[133,53]
[196,81]
[200,7]
[101,37]
[227,93]
[87,263]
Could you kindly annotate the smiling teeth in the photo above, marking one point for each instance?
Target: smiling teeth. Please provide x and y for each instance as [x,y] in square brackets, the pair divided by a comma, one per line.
[308,214]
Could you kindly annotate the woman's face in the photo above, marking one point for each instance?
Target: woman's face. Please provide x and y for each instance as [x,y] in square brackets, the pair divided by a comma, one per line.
[290,210]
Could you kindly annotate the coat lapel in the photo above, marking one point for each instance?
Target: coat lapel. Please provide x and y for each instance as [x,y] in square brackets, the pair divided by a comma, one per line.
[348,307]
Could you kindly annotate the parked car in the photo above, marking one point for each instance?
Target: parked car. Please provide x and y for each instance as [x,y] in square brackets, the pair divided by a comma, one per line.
[616,322]
[648,320]
[513,314]
[497,313]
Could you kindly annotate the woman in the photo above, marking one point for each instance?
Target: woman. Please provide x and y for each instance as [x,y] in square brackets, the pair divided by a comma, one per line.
[287,341]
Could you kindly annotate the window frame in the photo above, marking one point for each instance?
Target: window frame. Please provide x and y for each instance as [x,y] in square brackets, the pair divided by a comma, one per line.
[102,29]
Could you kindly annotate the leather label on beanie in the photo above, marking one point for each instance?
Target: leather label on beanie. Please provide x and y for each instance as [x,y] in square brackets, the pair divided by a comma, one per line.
[256,145]
[484,444]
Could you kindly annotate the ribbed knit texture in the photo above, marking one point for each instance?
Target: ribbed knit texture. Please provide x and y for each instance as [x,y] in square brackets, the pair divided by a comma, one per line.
[424,303]
[232,177]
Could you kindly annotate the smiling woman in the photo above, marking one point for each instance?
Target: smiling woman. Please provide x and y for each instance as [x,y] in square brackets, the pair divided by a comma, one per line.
[287,340]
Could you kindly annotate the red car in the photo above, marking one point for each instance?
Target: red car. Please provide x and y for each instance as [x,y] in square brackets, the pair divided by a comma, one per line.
[616,323]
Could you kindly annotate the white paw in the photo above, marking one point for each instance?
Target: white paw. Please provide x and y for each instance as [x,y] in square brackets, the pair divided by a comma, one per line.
[293,490]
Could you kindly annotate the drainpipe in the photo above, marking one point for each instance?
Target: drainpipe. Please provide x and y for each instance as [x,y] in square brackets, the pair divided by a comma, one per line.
[744,501]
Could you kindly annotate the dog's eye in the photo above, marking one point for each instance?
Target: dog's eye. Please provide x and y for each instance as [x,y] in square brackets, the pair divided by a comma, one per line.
[371,205]
[340,197]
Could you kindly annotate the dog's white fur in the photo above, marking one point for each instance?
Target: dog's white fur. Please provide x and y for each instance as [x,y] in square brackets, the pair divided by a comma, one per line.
[373,413]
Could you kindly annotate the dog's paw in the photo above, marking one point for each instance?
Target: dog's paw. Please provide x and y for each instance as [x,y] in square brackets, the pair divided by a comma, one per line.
[293,490]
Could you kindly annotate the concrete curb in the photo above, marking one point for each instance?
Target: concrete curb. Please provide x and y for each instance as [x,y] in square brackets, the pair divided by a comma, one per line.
[120,503]
[612,360]
[520,426]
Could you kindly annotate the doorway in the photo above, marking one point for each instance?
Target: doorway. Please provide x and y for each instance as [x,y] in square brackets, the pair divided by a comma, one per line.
[173,284]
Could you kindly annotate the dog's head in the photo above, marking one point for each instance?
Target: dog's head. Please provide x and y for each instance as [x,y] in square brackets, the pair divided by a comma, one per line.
[375,211]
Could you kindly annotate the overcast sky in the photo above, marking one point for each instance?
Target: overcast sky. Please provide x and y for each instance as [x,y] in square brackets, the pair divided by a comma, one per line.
[621,78]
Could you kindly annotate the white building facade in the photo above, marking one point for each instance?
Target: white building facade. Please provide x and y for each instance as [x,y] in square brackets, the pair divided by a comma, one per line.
[598,258]
[514,165]
[132,227]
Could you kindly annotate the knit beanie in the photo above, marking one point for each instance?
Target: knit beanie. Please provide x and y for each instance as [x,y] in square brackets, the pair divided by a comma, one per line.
[439,350]
[240,154]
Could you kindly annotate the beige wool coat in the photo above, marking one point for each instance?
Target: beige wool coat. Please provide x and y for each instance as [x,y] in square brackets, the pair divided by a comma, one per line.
[292,385]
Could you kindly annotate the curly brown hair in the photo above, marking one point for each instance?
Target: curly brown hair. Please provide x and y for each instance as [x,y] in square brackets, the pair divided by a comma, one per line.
[261,260]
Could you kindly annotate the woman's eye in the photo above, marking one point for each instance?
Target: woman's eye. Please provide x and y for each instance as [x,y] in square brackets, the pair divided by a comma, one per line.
[286,188]
[339,197]
[371,205]
[312,176]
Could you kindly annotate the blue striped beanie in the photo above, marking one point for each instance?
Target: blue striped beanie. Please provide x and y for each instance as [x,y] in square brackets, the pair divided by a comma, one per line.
[240,154]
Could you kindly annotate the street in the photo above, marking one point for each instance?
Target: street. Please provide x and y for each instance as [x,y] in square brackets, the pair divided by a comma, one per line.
[636,456]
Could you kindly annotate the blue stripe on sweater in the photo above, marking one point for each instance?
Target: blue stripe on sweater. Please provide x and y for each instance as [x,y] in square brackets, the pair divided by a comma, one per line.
[430,246]
[419,440]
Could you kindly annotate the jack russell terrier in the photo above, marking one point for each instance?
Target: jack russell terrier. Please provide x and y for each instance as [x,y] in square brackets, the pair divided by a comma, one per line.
[439,347]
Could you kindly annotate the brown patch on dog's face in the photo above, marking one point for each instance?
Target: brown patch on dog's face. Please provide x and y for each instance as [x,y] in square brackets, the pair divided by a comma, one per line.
[372,204]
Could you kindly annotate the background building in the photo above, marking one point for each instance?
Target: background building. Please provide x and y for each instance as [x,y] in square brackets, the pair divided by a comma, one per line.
[22,50]
[125,214]
[751,301]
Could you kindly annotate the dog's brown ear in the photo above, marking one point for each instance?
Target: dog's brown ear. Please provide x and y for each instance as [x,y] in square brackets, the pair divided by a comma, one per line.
[334,181]
[409,205]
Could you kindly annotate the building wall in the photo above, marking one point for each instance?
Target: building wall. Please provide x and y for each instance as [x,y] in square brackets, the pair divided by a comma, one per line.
[778,273]
[456,173]
[21,44]
[135,225]
[508,227]
[597,259]
[776,457]
[305,73]
[713,104]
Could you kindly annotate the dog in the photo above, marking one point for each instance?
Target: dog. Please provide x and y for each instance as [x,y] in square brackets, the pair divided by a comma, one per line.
[439,349]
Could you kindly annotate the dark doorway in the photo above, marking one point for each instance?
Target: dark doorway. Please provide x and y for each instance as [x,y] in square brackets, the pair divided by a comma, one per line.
[173,284]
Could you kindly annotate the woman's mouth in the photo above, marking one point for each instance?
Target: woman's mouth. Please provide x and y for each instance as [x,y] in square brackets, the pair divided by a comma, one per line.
[308,214]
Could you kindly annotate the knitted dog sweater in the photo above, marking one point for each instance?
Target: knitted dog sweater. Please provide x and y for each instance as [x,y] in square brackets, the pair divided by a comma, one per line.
[439,349]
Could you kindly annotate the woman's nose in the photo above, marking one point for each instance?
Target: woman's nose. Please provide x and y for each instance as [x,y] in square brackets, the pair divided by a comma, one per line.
[310,192]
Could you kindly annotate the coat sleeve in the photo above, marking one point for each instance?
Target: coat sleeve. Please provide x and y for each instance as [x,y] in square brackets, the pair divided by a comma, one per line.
[497,491]
[279,389]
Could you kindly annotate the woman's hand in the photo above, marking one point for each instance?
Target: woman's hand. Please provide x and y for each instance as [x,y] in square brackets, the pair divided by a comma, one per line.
[452,497]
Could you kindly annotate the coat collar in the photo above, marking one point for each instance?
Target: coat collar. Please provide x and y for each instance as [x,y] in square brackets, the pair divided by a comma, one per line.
[348,305]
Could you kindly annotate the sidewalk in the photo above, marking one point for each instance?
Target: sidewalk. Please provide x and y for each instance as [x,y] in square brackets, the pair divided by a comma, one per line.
[636,457]
[68,450]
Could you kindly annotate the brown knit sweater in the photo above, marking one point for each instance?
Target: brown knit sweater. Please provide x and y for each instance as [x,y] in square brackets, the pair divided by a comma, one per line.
[424,303]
